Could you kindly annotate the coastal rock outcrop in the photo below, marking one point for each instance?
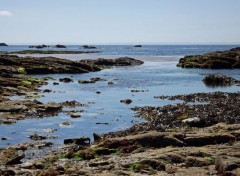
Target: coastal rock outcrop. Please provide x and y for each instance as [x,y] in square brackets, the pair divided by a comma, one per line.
[216,60]
[122,61]
[3,44]
[89,47]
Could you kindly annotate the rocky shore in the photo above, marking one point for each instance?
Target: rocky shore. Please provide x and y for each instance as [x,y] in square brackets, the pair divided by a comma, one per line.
[216,60]
[199,136]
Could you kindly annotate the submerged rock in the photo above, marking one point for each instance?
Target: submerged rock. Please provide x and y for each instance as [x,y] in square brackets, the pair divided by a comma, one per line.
[126,101]
[137,46]
[66,80]
[216,80]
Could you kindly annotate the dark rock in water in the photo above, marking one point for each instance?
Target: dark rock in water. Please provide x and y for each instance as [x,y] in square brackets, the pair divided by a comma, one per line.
[217,80]
[122,61]
[137,46]
[215,60]
[37,137]
[75,114]
[47,91]
[126,101]
[3,139]
[96,137]
[60,46]
[3,44]
[110,83]
[38,46]
[66,80]
[89,47]
[86,82]
[98,92]
[79,141]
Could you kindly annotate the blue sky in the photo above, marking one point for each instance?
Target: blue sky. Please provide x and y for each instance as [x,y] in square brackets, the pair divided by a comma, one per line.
[120,22]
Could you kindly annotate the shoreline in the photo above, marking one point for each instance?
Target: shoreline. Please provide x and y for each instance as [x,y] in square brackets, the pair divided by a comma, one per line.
[175,139]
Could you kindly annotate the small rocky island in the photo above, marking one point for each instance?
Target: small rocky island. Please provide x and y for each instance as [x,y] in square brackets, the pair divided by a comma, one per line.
[3,44]
[215,60]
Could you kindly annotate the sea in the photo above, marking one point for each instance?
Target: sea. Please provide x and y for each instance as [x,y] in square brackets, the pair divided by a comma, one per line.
[104,112]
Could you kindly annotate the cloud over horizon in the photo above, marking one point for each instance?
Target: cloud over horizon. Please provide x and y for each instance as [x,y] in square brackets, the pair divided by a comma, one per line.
[5,13]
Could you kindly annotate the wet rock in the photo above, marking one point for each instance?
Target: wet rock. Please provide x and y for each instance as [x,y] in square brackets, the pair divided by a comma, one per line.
[110,83]
[3,138]
[100,163]
[55,83]
[47,91]
[66,80]
[89,47]
[216,60]
[75,114]
[216,80]
[65,124]
[37,137]
[60,46]
[86,82]
[12,107]
[137,46]
[98,92]
[52,106]
[38,46]
[79,141]
[123,61]
[126,101]
[3,44]
[96,137]
[102,123]
[71,104]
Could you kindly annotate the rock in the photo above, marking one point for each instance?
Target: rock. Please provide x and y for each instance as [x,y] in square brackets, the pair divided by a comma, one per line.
[12,107]
[37,137]
[66,80]
[227,165]
[96,137]
[3,139]
[137,46]
[126,101]
[52,106]
[11,156]
[79,141]
[216,80]
[89,47]
[38,46]
[215,60]
[86,82]
[47,91]
[122,61]
[193,122]
[3,44]
[60,46]
[98,92]
[207,139]
[100,163]
[65,124]
[75,114]
[150,139]
[110,83]
[55,83]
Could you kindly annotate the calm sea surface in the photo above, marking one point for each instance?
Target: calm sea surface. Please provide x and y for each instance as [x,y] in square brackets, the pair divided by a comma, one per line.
[157,76]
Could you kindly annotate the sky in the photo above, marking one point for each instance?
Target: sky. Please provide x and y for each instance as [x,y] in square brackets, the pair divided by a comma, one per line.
[120,21]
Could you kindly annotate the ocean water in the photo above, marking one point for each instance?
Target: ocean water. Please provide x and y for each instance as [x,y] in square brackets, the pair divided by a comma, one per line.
[146,50]
[158,76]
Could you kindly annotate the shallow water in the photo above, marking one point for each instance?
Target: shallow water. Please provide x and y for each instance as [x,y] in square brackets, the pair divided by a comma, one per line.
[156,78]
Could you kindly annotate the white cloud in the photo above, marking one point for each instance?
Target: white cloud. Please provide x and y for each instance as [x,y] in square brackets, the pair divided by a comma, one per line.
[5,13]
